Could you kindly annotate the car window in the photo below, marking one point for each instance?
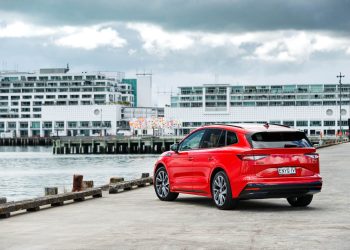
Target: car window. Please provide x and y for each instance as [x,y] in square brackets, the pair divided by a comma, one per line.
[211,138]
[279,140]
[231,138]
[222,139]
[192,142]
[214,138]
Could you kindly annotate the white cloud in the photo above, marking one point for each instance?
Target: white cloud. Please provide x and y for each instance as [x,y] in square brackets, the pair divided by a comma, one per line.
[158,41]
[87,37]
[297,46]
[273,46]
[90,38]
[19,29]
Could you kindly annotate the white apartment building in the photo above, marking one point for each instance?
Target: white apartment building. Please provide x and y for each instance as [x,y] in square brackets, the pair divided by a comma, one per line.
[314,108]
[56,100]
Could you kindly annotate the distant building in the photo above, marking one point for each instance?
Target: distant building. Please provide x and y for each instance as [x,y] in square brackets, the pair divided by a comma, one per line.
[144,90]
[313,108]
[131,113]
[57,100]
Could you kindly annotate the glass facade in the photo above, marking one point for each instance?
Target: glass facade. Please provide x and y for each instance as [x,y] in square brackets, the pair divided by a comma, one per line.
[261,95]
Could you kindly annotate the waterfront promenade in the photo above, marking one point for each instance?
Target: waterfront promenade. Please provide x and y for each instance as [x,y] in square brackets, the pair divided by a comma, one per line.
[138,220]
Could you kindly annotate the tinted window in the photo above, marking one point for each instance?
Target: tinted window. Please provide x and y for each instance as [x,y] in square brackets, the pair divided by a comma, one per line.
[222,139]
[218,138]
[279,140]
[192,142]
[231,138]
[211,138]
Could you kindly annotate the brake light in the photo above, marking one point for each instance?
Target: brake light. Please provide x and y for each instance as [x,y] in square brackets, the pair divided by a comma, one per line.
[312,155]
[251,157]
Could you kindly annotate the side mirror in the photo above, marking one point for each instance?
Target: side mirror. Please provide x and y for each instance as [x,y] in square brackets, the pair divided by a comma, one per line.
[174,147]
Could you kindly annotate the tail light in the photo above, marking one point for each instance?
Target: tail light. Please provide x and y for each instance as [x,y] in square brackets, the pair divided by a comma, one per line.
[251,157]
[312,155]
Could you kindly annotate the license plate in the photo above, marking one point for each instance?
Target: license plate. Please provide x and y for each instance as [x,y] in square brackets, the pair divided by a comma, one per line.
[284,171]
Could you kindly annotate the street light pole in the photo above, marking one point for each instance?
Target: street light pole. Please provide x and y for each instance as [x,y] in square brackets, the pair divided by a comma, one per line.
[101,124]
[349,114]
[340,76]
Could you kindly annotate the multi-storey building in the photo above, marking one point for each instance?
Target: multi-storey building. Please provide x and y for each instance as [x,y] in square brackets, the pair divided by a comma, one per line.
[29,100]
[314,108]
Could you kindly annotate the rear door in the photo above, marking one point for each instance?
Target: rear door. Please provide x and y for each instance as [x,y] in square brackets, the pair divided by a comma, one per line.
[204,158]
[213,153]
[280,154]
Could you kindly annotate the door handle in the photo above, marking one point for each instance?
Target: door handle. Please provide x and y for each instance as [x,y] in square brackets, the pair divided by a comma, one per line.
[190,158]
[210,158]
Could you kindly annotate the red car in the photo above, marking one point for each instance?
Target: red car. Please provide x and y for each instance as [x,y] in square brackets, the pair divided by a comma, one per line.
[244,161]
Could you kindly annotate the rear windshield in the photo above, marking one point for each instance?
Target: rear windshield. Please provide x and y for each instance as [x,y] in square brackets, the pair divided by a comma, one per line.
[279,140]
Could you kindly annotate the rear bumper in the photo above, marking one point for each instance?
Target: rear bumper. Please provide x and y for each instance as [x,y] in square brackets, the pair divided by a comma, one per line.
[261,191]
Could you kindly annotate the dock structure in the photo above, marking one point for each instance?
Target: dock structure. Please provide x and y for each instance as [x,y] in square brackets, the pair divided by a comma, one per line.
[113,145]
[26,141]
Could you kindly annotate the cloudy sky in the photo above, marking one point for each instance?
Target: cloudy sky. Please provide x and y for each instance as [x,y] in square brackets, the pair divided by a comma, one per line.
[181,42]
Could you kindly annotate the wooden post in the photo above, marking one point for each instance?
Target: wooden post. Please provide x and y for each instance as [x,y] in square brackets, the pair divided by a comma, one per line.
[51,191]
[4,215]
[77,183]
[152,146]
[114,180]
[144,175]
[163,145]
[129,146]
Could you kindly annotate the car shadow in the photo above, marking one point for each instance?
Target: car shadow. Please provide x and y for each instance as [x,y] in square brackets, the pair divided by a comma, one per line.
[262,205]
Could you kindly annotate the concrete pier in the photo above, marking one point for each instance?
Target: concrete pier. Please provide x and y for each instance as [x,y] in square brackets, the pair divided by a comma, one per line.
[138,220]
[30,141]
[113,145]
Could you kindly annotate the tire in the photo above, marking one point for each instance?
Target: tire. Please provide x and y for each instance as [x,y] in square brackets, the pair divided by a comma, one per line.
[221,192]
[301,201]
[162,187]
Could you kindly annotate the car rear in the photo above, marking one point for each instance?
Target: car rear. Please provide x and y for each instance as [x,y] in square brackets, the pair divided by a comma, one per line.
[280,164]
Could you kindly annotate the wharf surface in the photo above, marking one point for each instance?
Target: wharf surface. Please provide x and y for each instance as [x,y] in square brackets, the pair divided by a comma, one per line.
[138,220]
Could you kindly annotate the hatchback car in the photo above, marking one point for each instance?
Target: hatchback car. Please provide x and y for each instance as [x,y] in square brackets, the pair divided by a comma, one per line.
[245,161]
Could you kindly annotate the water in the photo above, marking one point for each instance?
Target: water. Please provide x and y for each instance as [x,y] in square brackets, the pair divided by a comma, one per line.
[25,171]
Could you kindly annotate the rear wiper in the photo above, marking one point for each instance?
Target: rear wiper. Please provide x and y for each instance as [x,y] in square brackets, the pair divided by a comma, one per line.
[290,146]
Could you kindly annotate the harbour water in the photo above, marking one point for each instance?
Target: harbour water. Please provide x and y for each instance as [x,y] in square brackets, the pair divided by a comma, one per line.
[25,171]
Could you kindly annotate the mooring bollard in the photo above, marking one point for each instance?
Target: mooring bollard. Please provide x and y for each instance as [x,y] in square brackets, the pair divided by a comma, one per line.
[51,191]
[144,175]
[114,180]
[77,183]
[3,200]
[88,184]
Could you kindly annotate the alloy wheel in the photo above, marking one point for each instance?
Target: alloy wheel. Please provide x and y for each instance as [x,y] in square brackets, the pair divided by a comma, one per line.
[162,184]
[220,190]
